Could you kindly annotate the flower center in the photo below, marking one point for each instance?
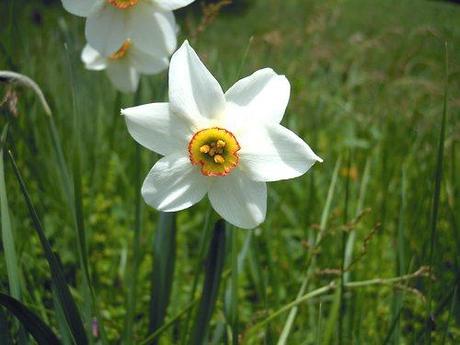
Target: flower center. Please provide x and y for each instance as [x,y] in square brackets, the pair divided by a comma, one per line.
[122,4]
[120,53]
[216,150]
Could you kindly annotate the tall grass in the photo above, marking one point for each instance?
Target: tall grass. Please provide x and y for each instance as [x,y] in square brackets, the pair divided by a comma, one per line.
[334,261]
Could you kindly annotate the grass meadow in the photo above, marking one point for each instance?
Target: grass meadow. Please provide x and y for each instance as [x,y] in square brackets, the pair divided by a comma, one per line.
[363,249]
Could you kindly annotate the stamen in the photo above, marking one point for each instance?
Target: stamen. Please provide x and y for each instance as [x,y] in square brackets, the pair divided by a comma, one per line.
[120,53]
[122,4]
[212,152]
[219,159]
[205,149]
[215,150]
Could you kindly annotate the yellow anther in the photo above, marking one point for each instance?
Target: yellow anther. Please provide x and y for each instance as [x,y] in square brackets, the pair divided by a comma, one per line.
[219,159]
[120,53]
[220,143]
[205,149]
[122,4]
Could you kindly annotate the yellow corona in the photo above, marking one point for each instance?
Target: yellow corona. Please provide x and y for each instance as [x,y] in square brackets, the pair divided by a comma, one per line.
[215,150]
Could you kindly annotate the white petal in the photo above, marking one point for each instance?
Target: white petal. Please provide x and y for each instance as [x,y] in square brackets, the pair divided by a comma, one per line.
[173,4]
[156,128]
[79,7]
[174,184]
[193,92]
[124,77]
[239,200]
[264,95]
[92,59]
[273,152]
[147,63]
[153,30]
[106,29]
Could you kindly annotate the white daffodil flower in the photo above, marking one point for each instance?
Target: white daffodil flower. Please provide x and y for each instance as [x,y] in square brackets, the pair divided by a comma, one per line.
[224,145]
[150,24]
[125,65]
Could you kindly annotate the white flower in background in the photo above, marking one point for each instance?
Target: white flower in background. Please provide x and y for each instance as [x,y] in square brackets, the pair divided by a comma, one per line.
[224,145]
[124,66]
[150,24]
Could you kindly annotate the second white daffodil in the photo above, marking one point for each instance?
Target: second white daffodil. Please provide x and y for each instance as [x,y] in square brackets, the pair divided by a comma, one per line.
[125,65]
[226,145]
[150,24]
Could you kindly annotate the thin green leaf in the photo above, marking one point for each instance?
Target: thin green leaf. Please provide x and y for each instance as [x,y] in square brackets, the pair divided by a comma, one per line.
[4,329]
[331,322]
[311,262]
[164,254]
[31,322]
[437,190]
[17,78]
[205,235]
[213,274]
[11,260]
[231,293]
[168,324]
[57,276]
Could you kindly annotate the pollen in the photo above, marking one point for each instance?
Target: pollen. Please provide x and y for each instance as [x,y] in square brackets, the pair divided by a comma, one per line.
[121,53]
[215,150]
[123,4]
[205,149]
[219,159]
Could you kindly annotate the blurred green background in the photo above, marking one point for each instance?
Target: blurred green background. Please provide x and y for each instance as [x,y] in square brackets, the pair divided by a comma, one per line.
[368,84]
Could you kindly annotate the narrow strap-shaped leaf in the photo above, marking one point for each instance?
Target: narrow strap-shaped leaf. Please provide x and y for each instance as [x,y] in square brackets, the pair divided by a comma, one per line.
[4,329]
[57,276]
[12,267]
[214,267]
[31,322]
[163,270]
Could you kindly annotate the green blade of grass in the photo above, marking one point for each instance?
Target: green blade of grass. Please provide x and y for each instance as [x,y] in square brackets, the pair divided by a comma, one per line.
[331,322]
[451,312]
[437,191]
[4,329]
[132,275]
[168,324]
[30,321]
[213,274]
[311,260]
[11,260]
[342,302]
[204,238]
[164,255]
[231,292]
[69,307]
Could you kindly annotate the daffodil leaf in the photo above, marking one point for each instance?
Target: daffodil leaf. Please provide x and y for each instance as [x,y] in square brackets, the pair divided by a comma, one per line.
[163,269]
[31,322]
[213,274]
[66,300]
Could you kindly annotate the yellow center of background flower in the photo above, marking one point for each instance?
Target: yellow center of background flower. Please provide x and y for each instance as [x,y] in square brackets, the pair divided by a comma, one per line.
[122,4]
[120,53]
[215,149]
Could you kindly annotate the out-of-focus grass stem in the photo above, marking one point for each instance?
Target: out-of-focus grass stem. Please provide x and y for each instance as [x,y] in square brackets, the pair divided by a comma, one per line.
[437,192]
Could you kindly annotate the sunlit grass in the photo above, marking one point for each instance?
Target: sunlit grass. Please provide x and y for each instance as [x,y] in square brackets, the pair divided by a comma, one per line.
[367,83]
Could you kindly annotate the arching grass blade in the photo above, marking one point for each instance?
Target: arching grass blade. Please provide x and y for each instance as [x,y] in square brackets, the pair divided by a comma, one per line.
[69,307]
[31,322]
